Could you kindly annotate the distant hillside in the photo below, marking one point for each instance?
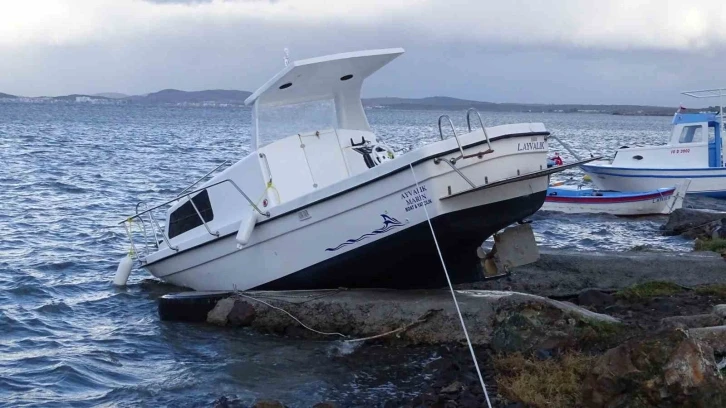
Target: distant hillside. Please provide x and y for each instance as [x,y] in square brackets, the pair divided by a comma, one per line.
[111,95]
[177,96]
[73,97]
[233,97]
[445,103]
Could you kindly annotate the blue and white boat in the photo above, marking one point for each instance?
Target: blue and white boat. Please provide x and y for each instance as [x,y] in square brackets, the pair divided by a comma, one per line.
[574,199]
[694,152]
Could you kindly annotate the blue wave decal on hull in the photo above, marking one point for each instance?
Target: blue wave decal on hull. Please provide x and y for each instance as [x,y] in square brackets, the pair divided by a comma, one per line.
[389,223]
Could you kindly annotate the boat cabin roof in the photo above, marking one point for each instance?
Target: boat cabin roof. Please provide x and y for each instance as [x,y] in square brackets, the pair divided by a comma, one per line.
[322,77]
[681,118]
[337,78]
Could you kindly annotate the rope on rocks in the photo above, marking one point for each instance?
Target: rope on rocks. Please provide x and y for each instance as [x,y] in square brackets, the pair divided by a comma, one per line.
[403,328]
[421,319]
[290,314]
[453,294]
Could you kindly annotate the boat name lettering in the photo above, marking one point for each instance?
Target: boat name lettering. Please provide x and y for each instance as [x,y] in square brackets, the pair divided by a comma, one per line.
[303,215]
[661,198]
[530,146]
[415,198]
[676,151]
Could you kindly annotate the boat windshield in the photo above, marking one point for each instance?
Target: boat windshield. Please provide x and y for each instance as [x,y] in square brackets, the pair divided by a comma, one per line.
[278,122]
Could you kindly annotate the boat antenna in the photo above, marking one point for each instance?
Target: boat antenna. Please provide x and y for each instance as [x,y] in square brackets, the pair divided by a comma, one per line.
[453,294]
[287,56]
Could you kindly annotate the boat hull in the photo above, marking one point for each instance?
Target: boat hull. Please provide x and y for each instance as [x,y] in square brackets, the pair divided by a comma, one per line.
[655,202]
[703,181]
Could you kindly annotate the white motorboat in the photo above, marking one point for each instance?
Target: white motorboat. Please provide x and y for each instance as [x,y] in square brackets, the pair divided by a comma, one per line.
[694,151]
[322,203]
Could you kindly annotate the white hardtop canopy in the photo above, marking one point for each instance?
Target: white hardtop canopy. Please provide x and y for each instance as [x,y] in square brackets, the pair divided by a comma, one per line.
[338,77]
[710,93]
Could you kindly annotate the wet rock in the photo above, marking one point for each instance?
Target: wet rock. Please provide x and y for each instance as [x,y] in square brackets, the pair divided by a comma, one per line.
[687,322]
[669,370]
[693,223]
[532,326]
[452,388]
[429,317]
[690,366]
[268,404]
[326,404]
[241,314]
[715,337]
[719,310]
[595,298]
[467,400]
[221,310]
[221,402]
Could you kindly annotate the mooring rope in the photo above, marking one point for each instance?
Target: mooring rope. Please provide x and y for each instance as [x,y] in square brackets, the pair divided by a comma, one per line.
[290,314]
[453,294]
[403,328]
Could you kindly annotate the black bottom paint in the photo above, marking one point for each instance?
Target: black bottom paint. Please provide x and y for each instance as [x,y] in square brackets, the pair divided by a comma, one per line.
[408,259]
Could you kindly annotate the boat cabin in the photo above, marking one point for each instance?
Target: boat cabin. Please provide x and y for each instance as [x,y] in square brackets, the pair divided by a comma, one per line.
[695,142]
[309,131]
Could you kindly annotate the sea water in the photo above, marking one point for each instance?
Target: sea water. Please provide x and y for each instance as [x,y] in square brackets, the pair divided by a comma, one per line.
[70,172]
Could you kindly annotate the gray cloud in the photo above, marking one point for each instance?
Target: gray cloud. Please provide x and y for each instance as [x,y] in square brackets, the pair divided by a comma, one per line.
[496,52]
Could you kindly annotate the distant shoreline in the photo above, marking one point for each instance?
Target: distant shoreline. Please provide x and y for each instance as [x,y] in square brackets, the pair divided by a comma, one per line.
[234,98]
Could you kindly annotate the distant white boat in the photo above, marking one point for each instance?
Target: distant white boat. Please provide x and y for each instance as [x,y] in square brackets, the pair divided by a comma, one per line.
[572,199]
[694,152]
[321,202]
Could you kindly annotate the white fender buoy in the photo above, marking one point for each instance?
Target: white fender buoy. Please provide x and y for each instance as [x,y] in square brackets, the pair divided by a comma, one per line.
[245,229]
[123,271]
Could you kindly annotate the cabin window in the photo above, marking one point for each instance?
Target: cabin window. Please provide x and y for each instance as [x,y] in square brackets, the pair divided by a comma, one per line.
[185,218]
[711,134]
[691,134]
[278,122]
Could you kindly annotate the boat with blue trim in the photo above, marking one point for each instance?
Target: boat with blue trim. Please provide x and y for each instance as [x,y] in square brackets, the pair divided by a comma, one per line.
[575,199]
[694,152]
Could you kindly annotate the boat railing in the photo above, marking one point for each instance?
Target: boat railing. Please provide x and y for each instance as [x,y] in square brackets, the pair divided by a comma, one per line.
[149,226]
[453,130]
[456,136]
[203,177]
[481,123]
[566,146]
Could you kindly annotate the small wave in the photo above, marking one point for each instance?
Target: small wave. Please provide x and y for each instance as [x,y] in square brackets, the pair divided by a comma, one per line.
[342,348]
[54,308]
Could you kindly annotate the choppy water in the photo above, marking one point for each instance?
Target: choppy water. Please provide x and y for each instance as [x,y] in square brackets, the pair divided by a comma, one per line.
[67,337]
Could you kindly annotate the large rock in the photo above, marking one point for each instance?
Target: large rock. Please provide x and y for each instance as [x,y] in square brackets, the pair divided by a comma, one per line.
[595,298]
[268,404]
[671,370]
[221,310]
[693,223]
[511,320]
[688,322]
[719,310]
[715,337]
[241,314]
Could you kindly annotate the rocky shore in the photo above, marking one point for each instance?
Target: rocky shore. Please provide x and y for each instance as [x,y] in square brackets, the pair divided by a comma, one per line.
[638,329]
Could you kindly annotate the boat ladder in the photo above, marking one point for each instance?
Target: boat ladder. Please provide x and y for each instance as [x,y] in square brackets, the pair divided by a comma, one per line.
[452,161]
[149,226]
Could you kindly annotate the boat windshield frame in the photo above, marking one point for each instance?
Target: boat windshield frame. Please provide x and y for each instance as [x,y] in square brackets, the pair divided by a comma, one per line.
[273,122]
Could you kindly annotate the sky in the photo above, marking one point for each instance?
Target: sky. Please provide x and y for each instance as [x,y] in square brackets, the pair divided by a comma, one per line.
[551,51]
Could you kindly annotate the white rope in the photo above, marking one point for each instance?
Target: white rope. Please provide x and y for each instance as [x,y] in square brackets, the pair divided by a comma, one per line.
[453,295]
[293,317]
